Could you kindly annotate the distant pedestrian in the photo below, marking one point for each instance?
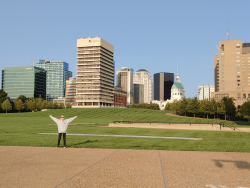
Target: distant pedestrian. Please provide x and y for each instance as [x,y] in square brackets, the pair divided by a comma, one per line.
[62,125]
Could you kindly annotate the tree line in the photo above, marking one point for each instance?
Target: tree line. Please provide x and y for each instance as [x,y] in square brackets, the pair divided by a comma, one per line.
[207,108]
[28,104]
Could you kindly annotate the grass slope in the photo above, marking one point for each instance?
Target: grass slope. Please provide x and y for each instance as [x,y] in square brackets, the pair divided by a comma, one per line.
[21,129]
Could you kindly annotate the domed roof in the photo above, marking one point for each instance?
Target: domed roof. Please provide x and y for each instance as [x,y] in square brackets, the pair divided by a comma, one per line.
[177,84]
[142,70]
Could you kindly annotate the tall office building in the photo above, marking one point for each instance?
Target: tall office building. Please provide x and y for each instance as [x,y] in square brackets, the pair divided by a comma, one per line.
[29,81]
[95,73]
[124,78]
[57,74]
[204,92]
[142,76]
[138,93]
[232,71]
[70,91]
[162,85]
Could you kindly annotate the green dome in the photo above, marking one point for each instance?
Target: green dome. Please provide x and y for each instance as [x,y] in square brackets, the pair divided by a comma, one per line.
[177,85]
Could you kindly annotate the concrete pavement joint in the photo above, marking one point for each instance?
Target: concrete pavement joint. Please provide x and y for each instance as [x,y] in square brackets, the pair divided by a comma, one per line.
[85,169]
[128,136]
[162,170]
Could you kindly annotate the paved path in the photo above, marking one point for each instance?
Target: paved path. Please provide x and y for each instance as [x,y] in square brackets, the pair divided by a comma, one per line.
[127,136]
[78,167]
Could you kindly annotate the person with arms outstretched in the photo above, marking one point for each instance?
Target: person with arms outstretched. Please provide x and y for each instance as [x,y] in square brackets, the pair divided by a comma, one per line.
[62,125]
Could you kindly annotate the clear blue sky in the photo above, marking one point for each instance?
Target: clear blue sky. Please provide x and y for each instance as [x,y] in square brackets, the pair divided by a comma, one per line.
[152,35]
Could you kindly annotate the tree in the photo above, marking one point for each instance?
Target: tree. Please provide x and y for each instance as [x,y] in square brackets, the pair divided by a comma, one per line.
[183,106]
[221,108]
[22,97]
[6,105]
[39,104]
[206,107]
[50,105]
[175,106]
[3,96]
[19,105]
[68,105]
[168,106]
[193,106]
[245,109]
[45,104]
[55,105]
[214,107]
[31,104]
[61,105]
[230,106]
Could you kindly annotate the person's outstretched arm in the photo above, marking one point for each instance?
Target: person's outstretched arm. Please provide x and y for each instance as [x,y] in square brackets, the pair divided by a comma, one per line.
[53,118]
[71,119]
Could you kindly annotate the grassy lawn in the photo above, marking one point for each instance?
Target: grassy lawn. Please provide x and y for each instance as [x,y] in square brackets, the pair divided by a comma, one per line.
[20,129]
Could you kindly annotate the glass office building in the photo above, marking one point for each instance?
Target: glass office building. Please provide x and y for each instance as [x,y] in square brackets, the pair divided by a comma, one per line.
[57,74]
[29,81]
[162,85]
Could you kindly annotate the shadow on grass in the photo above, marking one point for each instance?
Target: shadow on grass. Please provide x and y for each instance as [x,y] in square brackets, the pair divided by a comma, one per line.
[82,143]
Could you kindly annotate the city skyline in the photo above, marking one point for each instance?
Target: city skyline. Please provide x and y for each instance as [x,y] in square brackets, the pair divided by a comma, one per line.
[155,36]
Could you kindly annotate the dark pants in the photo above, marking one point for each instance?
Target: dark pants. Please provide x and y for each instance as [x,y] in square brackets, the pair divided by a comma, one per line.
[64,139]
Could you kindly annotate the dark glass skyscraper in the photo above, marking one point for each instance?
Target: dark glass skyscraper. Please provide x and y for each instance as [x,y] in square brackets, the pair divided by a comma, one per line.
[162,85]
[29,81]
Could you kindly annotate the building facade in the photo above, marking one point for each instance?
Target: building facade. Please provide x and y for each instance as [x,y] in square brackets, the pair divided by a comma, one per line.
[124,78]
[142,76]
[162,85]
[204,92]
[138,93]
[120,97]
[177,89]
[29,81]
[57,74]
[95,73]
[232,71]
[177,93]
[70,91]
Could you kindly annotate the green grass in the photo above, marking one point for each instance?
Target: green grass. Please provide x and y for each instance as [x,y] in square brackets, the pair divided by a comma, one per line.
[20,129]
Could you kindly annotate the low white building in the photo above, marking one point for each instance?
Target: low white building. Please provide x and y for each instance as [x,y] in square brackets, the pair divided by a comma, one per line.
[204,92]
[177,93]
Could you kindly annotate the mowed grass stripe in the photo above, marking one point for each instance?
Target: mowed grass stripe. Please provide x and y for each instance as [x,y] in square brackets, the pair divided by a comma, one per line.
[21,129]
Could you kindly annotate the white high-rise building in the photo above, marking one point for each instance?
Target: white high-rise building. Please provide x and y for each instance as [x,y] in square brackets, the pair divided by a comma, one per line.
[95,73]
[142,76]
[124,78]
[204,92]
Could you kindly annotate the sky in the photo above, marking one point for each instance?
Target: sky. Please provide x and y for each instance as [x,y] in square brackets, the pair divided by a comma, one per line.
[154,35]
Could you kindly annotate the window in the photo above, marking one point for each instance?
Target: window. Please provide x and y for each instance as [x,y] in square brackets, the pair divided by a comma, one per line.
[237,56]
[222,57]
[238,72]
[243,57]
[237,52]
[222,77]
[237,64]
[237,60]
[223,68]
[238,44]
[237,68]
[222,65]
[222,54]
[238,80]
[222,61]
[238,76]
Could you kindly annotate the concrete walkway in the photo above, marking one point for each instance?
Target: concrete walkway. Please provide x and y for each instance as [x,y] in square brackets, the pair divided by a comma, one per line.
[78,167]
[127,136]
